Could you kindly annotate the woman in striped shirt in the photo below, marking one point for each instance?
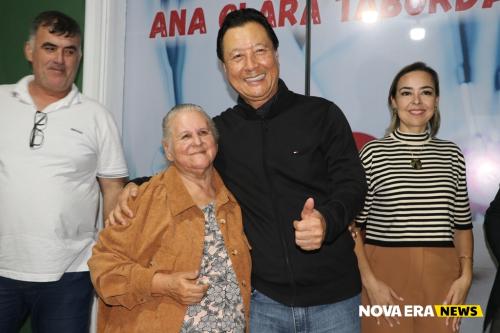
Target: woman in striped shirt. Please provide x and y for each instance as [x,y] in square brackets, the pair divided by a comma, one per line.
[416,218]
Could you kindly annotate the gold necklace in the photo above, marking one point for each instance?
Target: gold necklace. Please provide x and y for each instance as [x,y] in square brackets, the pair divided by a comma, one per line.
[416,162]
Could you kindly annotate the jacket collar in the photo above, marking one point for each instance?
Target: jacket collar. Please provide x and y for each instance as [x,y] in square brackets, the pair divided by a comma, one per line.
[180,199]
[280,102]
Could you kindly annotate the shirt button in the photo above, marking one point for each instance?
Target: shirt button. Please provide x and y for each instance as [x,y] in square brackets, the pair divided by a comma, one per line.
[243,283]
[222,221]
[234,252]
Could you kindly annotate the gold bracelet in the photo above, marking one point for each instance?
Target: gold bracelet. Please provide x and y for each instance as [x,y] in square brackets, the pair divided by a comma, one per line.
[465,257]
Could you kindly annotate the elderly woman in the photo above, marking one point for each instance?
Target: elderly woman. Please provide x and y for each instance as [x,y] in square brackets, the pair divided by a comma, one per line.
[183,263]
[416,215]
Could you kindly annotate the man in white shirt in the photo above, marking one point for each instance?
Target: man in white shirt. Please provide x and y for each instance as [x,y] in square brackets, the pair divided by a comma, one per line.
[58,150]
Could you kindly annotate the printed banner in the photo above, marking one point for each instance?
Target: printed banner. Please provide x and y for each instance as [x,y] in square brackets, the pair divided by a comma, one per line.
[357,47]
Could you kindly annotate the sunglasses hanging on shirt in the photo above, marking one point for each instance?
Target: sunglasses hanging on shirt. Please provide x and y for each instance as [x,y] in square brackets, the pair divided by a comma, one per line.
[37,135]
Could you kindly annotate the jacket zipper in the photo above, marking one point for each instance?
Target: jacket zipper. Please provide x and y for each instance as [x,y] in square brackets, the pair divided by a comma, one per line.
[275,211]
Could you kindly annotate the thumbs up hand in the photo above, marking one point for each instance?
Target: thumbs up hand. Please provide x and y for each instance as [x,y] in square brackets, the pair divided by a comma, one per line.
[311,228]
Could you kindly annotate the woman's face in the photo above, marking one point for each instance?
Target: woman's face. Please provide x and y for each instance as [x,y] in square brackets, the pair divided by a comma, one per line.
[192,146]
[415,101]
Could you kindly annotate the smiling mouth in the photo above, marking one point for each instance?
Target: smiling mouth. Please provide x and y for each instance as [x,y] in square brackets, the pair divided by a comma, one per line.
[417,112]
[59,70]
[255,78]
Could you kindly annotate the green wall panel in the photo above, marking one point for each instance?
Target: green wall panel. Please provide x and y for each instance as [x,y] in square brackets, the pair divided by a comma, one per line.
[15,21]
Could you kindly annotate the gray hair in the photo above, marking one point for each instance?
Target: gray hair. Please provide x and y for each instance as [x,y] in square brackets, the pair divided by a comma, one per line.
[58,23]
[166,123]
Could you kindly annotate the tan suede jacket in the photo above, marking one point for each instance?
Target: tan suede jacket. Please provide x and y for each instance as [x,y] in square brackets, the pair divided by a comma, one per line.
[166,234]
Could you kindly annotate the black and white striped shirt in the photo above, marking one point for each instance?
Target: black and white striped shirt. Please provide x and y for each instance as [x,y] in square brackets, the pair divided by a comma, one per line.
[406,206]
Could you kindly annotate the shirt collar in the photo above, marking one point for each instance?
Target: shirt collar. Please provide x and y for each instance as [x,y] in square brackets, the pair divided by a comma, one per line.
[21,91]
[180,198]
[411,138]
[278,103]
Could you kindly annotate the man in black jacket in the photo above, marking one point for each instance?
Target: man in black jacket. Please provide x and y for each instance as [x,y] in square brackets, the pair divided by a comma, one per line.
[291,162]
[492,232]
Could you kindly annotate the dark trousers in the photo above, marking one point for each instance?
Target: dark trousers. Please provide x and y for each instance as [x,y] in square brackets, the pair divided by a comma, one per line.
[59,306]
[495,322]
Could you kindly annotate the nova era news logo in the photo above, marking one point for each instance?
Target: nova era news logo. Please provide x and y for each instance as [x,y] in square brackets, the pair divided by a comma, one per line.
[463,311]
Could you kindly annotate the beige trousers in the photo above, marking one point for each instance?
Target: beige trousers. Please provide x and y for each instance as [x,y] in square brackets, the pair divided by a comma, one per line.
[421,275]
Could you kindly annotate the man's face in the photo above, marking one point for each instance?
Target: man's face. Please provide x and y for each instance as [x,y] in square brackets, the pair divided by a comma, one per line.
[251,63]
[55,60]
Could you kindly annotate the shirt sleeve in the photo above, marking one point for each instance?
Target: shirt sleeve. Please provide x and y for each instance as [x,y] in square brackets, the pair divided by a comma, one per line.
[110,161]
[461,211]
[345,174]
[366,160]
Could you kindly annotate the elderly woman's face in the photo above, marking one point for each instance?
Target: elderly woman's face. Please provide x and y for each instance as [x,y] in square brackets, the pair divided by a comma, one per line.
[192,146]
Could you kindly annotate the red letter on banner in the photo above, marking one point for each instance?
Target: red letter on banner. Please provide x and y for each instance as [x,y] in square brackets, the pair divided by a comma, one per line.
[413,8]
[315,18]
[434,3]
[390,8]
[177,22]
[287,11]
[268,11]
[159,26]
[462,5]
[197,22]
[364,5]
[488,3]
[227,9]
[345,10]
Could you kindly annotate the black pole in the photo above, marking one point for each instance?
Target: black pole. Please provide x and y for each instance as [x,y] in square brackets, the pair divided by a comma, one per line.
[308,50]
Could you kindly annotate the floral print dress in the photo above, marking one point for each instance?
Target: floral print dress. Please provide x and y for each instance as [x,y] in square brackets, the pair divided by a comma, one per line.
[221,309]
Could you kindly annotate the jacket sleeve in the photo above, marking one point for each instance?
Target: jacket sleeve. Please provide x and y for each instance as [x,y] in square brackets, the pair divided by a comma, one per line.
[492,225]
[347,183]
[118,266]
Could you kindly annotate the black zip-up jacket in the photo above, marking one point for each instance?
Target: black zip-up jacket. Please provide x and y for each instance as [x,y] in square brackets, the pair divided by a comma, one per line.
[492,233]
[302,147]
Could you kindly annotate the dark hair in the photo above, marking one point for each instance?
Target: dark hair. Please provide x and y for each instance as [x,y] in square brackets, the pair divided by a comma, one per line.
[57,22]
[239,18]
[435,121]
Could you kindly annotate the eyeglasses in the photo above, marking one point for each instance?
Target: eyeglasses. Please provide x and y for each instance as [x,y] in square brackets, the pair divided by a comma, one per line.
[36,137]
